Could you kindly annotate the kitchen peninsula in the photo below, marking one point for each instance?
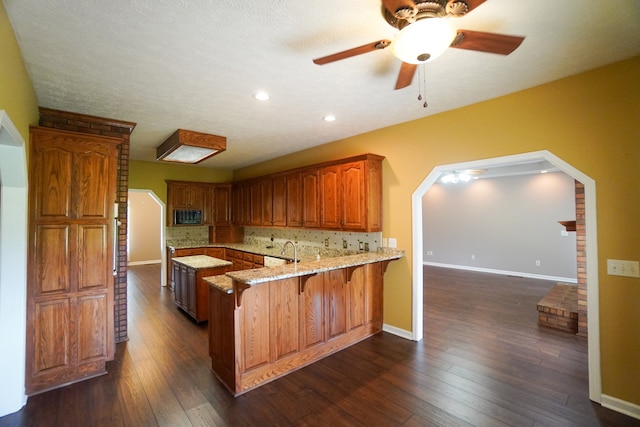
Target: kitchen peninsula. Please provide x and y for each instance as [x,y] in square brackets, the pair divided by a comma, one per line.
[265,323]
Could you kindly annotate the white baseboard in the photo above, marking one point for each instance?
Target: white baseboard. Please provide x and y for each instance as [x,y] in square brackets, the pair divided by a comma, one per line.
[151,261]
[619,405]
[402,333]
[504,272]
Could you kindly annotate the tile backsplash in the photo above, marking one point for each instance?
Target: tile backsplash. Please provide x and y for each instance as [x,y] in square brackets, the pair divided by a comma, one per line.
[313,238]
[308,239]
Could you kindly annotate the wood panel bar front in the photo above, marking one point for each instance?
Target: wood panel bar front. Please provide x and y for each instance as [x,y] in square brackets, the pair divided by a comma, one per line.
[261,332]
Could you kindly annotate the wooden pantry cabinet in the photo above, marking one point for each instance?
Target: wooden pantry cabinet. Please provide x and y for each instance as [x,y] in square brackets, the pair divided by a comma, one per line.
[70,306]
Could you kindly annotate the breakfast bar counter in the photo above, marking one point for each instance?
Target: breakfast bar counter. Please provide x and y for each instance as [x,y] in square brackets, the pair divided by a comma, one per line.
[267,322]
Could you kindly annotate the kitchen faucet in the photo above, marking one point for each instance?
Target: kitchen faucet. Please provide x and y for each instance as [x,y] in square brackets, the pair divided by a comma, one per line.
[295,251]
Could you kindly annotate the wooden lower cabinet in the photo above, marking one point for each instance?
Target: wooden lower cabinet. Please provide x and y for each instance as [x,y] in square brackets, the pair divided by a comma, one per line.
[191,292]
[262,332]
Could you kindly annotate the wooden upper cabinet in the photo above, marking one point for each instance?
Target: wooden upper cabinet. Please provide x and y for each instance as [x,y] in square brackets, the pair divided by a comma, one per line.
[222,204]
[330,197]
[293,183]
[255,203]
[279,201]
[353,205]
[310,198]
[339,195]
[351,195]
[266,201]
[185,195]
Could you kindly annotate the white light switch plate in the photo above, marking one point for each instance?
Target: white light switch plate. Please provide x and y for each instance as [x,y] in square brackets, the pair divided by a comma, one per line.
[619,267]
[393,242]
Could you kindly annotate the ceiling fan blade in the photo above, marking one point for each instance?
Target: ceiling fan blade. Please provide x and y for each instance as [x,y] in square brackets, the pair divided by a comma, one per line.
[380,44]
[406,75]
[486,42]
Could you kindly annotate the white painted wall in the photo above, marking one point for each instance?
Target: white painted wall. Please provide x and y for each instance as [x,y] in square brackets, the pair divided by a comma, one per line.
[503,225]
[13,266]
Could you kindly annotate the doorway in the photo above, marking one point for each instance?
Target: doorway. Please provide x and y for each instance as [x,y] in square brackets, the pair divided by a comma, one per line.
[13,265]
[595,384]
[145,234]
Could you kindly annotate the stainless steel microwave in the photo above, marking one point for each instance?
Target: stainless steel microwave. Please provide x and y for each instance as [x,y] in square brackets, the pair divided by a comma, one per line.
[187,217]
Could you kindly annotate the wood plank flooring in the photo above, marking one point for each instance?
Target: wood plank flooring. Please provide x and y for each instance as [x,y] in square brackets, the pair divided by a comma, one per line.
[484,362]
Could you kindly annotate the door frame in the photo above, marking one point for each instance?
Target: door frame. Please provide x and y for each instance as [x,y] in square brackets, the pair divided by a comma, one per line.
[13,265]
[593,307]
[163,250]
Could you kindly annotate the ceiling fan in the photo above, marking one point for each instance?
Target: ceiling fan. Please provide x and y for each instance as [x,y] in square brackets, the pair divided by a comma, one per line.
[426,32]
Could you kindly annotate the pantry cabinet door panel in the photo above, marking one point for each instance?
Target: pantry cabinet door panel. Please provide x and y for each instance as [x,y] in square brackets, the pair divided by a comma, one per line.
[52,258]
[52,336]
[94,196]
[94,256]
[53,177]
[92,331]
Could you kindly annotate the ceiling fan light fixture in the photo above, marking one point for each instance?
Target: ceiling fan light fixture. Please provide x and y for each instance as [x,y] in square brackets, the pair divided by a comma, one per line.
[423,40]
[186,146]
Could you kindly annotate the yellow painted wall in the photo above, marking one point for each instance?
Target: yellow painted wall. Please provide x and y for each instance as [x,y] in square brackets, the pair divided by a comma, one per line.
[17,96]
[152,175]
[589,120]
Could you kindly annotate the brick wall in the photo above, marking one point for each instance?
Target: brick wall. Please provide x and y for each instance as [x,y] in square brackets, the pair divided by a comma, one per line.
[581,254]
[119,129]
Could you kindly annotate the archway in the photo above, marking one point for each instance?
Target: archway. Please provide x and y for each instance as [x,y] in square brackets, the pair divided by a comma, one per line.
[595,382]
[13,265]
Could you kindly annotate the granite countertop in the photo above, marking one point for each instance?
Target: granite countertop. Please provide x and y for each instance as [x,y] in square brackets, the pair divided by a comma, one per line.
[201,261]
[260,275]
[304,254]
[221,282]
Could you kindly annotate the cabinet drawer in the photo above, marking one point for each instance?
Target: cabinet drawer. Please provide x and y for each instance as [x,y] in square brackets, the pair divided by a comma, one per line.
[188,252]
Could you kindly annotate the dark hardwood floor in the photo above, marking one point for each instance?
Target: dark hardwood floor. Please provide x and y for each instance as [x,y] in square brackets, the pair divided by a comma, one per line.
[484,362]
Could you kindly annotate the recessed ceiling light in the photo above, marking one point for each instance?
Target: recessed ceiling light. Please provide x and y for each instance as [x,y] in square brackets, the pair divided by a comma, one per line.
[544,171]
[329,118]
[261,95]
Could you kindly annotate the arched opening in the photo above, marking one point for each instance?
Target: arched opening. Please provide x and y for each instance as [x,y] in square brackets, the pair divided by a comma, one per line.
[595,387]
[13,265]
[145,234]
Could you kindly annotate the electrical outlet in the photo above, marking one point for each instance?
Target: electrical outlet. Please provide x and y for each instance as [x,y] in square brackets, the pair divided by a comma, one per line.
[429,253]
[619,267]
[393,242]
[344,243]
[326,242]
[537,263]
[473,256]
[366,246]
[360,245]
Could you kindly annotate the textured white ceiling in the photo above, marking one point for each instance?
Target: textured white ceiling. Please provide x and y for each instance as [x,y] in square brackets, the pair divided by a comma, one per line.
[169,64]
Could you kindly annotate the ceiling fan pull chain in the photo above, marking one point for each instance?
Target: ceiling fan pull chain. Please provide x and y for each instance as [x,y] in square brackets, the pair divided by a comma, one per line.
[422,83]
